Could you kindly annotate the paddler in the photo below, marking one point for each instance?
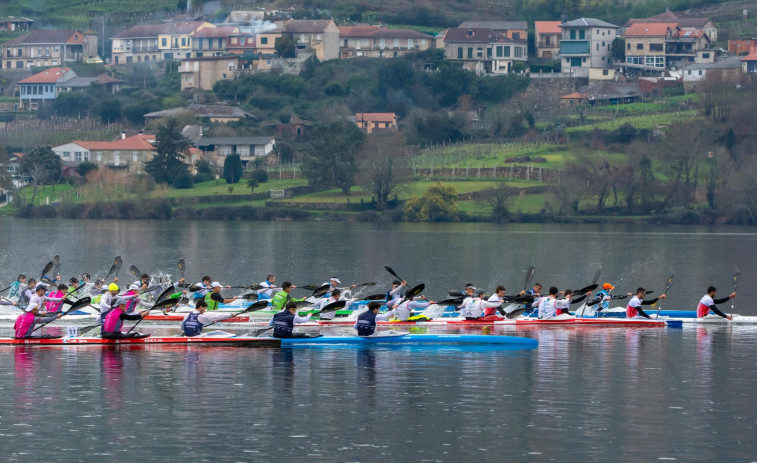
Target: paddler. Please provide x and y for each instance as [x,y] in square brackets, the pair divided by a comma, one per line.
[550,306]
[477,306]
[268,287]
[708,301]
[332,286]
[468,295]
[602,298]
[366,321]
[134,300]
[204,286]
[113,321]
[106,301]
[283,322]
[335,297]
[59,293]
[194,322]
[404,311]
[397,286]
[281,298]
[213,298]
[25,322]
[634,310]
[143,282]
[18,287]
[38,299]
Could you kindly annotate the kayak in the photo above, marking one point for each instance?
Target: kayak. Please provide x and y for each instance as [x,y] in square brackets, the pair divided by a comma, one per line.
[150,340]
[411,340]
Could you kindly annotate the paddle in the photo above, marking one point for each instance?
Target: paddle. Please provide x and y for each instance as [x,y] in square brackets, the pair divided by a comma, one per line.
[375,297]
[529,275]
[160,305]
[114,268]
[118,263]
[250,297]
[6,289]
[585,290]
[261,331]
[86,329]
[667,287]
[135,272]
[453,301]
[56,265]
[75,306]
[47,268]
[394,274]
[321,291]
[735,285]
[252,308]
[332,307]
[182,267]
[164,295]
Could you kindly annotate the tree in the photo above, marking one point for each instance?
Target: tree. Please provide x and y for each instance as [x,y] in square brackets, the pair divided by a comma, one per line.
[232,168]
[330,161]
[109,110]
[497,198]
[169,146]
[85,167]
[72,104]
[618,49]
[438,204]
[383,165]
[252,184]
[42,166]
[285,47]
[5,180]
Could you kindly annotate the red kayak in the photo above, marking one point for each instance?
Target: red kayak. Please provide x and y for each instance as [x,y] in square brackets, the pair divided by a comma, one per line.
[178,318]
[150,340]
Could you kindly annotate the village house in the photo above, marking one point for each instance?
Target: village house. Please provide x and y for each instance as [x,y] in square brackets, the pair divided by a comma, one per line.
[110,84]
[515,30]
[483,50]
[376,122]
[202,72]
[211,41]
[319,36]
[547,39]
[605,93]
[749,63]
[126,153]
[585,43]
[741,47]
[658,46]
[686,22]
[43,87]
[47,48]
[380,42]
[726,68]
[205,112]
[15,23]
[248,148]
[152,42]
[295,128]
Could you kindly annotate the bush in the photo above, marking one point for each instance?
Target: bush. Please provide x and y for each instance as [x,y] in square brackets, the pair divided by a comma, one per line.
[85,168]
[261,175]
[183,181]
[203,177]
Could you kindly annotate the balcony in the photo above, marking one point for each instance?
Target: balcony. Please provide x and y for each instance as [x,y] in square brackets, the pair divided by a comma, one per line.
[575,48]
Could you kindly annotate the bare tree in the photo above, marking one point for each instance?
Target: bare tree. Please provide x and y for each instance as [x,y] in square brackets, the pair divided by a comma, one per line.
[383,165]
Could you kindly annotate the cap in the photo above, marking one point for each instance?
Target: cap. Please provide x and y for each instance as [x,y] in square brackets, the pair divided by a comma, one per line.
[120,301]
[396,282]
[479,292]
[336,279]
[608,286]
[134,287]
[215,285]
[30,308]
[40,287]
[469,286]
[112,287]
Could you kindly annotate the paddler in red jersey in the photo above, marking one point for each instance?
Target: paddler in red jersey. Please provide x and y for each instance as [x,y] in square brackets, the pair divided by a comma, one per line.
[634,310]
[708,301]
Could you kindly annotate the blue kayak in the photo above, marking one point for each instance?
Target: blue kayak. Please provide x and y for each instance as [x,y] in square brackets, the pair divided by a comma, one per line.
[413,339]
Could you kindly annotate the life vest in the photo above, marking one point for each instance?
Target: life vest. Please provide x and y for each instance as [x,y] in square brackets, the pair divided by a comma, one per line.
[212,305]
[602,304]
[24,324]
[54,306]
[403,311]
[191,325]
[14,289]
[112,322]
[631,312]
[283,324]
[201,293]
[366,323]
[279,300]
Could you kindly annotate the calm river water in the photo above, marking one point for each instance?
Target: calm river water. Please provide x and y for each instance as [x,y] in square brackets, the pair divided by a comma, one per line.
[584,395]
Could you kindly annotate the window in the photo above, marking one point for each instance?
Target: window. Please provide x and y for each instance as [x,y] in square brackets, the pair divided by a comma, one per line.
[689,72]
[516,35]
[605,72]
[572,34]
[705,55]
[628,46]
[700,73]
[597,47]
[507,52]
[163,42]
[67,154]
[499,51]
[99,157]
[639,46]
[470,52]
[582,34]
[234,40]
[183,41]
[459,52]
[518,52]
[86,155]
[489,52]
[264,40]
[134,156]
[655,47]
[77,156]
[396,43]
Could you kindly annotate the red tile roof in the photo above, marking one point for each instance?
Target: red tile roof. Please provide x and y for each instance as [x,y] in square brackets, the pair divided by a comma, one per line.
[752,56]
[375,117]
[134,143]
[649,29]
[576,95]
[548,27]
[215,31]
[43,37]
[357,31]
[49,76]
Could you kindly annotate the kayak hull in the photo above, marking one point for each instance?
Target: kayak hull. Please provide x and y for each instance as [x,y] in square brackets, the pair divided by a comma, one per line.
[199,340]
[412,339]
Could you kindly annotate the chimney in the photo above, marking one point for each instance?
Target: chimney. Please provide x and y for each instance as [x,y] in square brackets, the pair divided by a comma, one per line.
[123,134]
[470,32]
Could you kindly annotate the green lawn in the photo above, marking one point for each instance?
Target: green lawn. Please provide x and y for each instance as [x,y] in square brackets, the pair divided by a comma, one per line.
[238,189]
[647,121]
[474,155]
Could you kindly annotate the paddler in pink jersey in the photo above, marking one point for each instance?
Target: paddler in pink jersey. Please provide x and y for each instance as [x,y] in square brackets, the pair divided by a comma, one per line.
[634,310]
[52,307]
[708,301]
[113,321]
[25,323]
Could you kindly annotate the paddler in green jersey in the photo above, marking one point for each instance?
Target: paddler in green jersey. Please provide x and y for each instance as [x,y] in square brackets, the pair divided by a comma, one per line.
[213,298]
[282,297]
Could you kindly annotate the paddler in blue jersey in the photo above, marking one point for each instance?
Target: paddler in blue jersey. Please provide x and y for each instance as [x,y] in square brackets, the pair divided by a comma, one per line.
[203,288]
[397,286]
[366,321]
[194,322]
[332,285]
[602,298]
[283,322]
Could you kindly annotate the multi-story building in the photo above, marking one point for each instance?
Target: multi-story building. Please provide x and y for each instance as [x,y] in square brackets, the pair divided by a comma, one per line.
[547,39]
[126,153]
[151,42]
[586,43]
[15,23]
[212,41]
[202,72]
[516,30]
[43,87]
[686,21]
[248,148]
[483,50]
[320,37]
[47,48]
[658,46]
[380,42]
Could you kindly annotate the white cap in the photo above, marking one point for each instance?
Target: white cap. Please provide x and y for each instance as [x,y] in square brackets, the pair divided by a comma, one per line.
[30,308]
[134,287]
[336,279]
[215,285]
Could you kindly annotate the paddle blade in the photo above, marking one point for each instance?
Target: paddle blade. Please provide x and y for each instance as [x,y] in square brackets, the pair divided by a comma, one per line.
[375,297]
[254,287]
[529,276]
[416,290]
[165,294]
[135,272]
[260,305]
[83,302]
[334,306]
[117,262]
[391,270]
[47,268]
[56,265]
[310,287]
[455,301]
[585,290]
[249,296]
[454,293]
[320,291]
[182,267]
[261,331]
[162,305]
[515,313]
[195,288]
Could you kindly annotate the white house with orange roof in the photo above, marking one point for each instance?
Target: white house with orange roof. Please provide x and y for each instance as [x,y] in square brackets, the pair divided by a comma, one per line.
[126,153]
[43,87]
[547,39]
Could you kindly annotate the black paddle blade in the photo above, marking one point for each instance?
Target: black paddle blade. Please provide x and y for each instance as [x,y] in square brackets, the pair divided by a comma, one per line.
[375,297]
[261,331]
[515,313]
[195,288]
[320,291]
[523,300]
[529,276]
[254,287]
[415,291]
[164,304]
[47,268]
[135,272]
[164,295]
[117,262]
[257,306]
[249,296]
[391,270]
[453,293]
[182,267]
[585,290]
[85,301]
[334,306]
[455,301]
[56,265]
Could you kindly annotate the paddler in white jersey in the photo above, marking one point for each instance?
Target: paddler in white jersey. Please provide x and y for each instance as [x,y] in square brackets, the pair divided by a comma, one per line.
[332,285]
[634,310]
[708,301]
[550,306]
[468,295]
[323,302]
[269,286]
[404,311]
[477,306]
